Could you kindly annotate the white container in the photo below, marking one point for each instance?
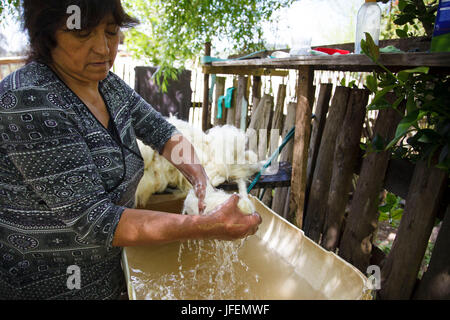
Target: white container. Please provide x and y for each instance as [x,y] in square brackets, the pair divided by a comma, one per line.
[315,272]
[301,45]
[368,20]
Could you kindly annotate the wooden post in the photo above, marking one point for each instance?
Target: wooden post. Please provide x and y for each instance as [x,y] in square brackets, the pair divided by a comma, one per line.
[241,94]
[301,143]
[220,91]
[231,112]
[399,273]
[260,122]
[356,243]
[435,283]
[318,124]
[346,156]
[256,92]
[257,130]
[277,126]
[206,121]
[317,201]
[280,199]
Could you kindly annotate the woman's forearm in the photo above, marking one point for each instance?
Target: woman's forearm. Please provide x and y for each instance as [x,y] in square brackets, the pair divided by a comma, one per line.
[180,152]
[145,227]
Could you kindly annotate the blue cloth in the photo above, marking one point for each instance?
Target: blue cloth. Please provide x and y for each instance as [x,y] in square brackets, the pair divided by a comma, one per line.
[65,182]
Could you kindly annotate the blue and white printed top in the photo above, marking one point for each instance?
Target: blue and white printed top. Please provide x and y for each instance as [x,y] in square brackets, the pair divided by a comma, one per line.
[65,181]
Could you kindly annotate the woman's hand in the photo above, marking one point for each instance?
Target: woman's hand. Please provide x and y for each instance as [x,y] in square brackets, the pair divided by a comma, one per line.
[231,223]
[181,153]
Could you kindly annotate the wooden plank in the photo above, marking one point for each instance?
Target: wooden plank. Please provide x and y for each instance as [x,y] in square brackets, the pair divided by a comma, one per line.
[240,94]
[356,244]
[259,123]
[245,72]
[231,112]
[349,62]
[301,142]
[280,202]
[257,130]
[318,124]
[256,93]
[206,121]
[219,91]
[345,159]
[399,273]
[435,283]
[275,133]
[316,209]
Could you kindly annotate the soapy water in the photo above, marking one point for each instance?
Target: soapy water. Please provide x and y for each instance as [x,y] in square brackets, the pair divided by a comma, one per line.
[215,270]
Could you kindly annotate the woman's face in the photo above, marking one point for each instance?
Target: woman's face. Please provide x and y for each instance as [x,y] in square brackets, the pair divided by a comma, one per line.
[85,55]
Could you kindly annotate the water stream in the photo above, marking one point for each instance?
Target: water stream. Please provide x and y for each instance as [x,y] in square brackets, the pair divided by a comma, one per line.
[220,270]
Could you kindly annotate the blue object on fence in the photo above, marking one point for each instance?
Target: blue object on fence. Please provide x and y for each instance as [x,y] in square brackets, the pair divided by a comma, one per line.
[227,98]
[288,137]
[219,107]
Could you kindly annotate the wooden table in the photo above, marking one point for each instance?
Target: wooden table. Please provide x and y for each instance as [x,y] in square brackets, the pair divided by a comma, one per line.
[306,65]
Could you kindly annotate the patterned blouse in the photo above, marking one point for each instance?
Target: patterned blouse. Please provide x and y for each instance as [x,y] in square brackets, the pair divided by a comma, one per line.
[65,180]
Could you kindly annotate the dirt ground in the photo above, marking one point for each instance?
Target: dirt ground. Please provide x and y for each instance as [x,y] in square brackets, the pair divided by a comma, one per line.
[386,235]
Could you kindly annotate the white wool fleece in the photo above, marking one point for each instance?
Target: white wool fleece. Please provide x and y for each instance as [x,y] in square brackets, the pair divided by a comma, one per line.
[214,198]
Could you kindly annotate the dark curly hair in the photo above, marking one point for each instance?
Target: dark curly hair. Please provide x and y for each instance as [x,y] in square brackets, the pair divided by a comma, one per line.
[42,18]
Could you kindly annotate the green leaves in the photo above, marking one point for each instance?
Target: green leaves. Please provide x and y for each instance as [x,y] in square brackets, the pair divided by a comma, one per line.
[423,101]
[369,48]
[404,75]
[174,32]
[10,7]
[391,210]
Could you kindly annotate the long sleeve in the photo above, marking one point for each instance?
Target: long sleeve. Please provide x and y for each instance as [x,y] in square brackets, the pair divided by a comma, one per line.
[52,158]
[149,125]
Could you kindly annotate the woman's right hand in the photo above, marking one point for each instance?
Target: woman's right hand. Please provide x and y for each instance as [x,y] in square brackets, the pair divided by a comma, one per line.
[231,223]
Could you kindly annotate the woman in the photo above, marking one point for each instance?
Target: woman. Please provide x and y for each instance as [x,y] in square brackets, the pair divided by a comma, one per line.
[69,162]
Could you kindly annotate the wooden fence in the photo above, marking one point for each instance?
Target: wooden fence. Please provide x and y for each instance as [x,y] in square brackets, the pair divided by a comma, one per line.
[344,187]
[10,64]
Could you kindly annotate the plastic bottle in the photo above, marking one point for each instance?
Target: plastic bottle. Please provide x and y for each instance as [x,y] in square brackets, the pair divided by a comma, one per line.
[369,20]
[441,35]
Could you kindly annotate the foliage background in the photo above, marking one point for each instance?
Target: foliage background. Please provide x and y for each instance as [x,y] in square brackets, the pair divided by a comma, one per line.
[173,32]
